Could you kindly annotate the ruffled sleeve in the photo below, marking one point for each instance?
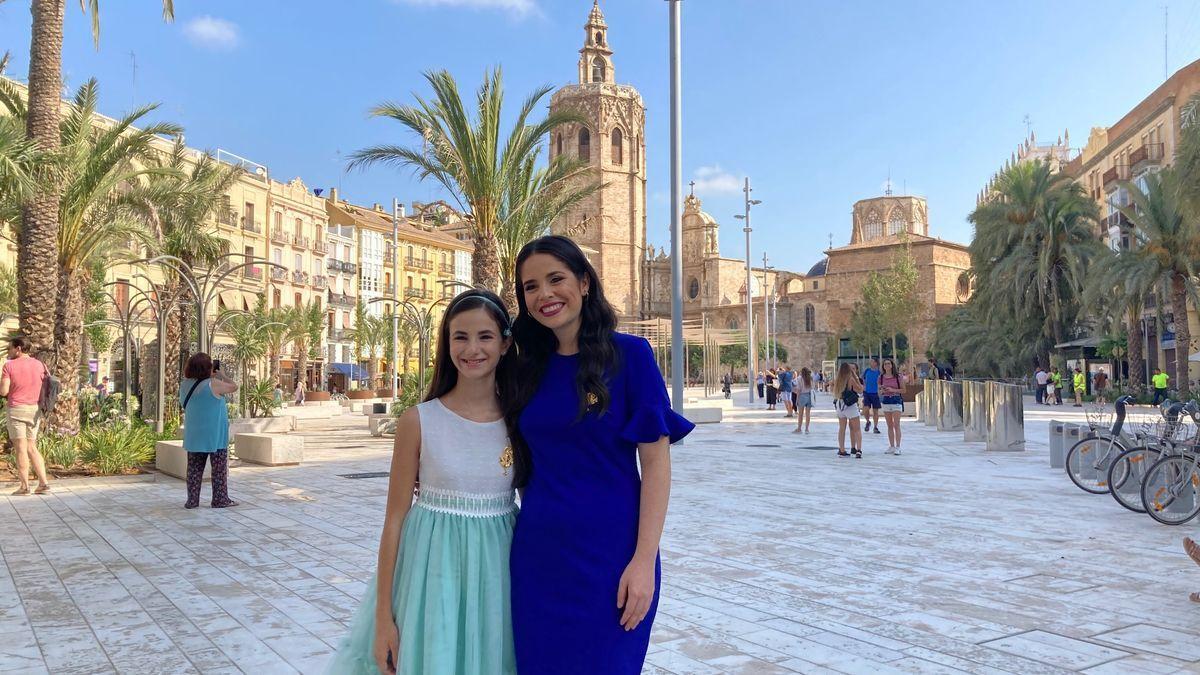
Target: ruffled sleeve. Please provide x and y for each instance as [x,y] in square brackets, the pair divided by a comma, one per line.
[650,413]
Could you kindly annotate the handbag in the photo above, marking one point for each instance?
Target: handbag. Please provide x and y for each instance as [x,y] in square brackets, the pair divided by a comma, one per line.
[849,397]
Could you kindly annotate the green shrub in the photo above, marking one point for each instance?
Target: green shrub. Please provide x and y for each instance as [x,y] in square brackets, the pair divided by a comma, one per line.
[116,448]
[260,399]
[411,393]
[58,450]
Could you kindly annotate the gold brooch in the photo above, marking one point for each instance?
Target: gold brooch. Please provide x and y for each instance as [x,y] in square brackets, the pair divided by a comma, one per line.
[591,399]
[506,459]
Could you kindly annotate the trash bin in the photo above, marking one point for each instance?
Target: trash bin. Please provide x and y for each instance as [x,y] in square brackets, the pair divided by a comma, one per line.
[1058,448]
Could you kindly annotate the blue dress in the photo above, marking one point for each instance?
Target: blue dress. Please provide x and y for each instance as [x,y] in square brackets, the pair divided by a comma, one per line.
[578,525]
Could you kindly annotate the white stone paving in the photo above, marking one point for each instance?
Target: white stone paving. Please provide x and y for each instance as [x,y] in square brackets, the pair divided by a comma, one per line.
[777,558]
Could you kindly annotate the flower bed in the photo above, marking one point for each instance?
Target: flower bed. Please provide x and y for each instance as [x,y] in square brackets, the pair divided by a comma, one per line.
[316,396]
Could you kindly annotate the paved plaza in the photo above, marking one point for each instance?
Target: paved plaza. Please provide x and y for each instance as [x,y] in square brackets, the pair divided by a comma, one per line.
[778,557]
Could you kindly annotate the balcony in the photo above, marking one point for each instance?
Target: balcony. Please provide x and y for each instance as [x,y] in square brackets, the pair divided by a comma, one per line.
[1117,173]
[339,335]
[300,241]
[252,273]
[417,293]
[321,246]
[416,264]
[319,282]
[278,236]
[1118,219]
[227,217]
[349,268]
[278,274]
[254,226]
[446,268]
[389,257]
[340,300]
[1150,154]
[299,278]
[388,289]
[333,265]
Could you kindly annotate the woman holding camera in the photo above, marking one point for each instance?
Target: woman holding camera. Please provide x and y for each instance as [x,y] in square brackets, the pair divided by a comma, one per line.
[206,428]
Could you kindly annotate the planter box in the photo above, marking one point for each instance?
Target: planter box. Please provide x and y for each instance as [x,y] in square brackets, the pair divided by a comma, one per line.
[360,394]
[280,424]
[270,449]
[706,415]
[375,422]
[375,409]
[316,396]
[170,458]
[383,393]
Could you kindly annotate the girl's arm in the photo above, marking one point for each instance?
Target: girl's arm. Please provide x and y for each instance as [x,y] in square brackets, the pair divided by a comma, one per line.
[635,592]
[406,454]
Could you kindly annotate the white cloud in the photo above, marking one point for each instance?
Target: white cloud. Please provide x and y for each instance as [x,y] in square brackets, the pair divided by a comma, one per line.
[520,7]
[713,180]
[212,33]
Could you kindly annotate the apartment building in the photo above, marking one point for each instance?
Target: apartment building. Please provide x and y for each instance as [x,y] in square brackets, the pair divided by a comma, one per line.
[341,264]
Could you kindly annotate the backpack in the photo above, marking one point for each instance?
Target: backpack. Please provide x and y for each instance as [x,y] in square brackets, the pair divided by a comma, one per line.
[49,394]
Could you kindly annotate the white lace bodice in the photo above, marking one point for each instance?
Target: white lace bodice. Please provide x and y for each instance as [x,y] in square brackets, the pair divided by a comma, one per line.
[460,464]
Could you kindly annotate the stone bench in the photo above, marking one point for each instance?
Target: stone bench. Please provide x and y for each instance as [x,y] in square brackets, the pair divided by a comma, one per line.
[280,424]
[376,421]
[269,449]
[170,458]
[314,413]
[703,415]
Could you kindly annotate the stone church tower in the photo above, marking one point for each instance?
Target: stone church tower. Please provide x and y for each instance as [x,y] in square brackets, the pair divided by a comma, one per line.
[610,225]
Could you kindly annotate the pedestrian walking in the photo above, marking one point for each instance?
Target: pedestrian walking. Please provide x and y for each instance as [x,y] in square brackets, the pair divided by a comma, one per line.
[1161,381]
[1039,392]
[891,390]
[439,602]
[206,428]
[22,380]
[772,391]
[1100,386]
[871,402]
[760,382]
[786,377]
[299,392]
[804,400]
[933,372]
[727,385]
[1079,384]
[102,389]
[847,389]
[278,394]
[1056,384]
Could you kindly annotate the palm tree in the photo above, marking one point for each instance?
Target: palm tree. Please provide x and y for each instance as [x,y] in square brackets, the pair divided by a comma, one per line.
[249,345]
[97,218]
[8,293]
[305,324]
[179,206]
[368,336]
[38,256]
[464,154]
[1167,247]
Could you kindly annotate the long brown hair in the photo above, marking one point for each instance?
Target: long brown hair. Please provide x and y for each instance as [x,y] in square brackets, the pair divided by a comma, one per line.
[806,375]
[445,373]
[844,375]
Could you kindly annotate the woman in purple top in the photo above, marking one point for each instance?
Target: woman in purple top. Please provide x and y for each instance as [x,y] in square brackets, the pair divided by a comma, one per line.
[584,562]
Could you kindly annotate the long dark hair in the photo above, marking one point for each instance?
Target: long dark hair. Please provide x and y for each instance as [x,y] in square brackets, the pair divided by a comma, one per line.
[445,375]
[535,344]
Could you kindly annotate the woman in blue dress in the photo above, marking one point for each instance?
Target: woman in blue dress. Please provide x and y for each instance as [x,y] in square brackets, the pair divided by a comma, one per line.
[590,404]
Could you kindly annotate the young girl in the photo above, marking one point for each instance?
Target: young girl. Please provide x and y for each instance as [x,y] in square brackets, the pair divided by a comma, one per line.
[440,599]
[848,389]
[891,391]
[804,393]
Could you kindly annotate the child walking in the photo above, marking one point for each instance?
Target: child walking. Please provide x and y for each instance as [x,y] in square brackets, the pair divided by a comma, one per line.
[440,601]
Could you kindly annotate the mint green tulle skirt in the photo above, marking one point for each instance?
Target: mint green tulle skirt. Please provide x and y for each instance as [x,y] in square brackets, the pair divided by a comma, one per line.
[450,598]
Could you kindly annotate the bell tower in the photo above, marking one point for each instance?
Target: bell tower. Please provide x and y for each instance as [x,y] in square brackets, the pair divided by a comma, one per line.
[610,224]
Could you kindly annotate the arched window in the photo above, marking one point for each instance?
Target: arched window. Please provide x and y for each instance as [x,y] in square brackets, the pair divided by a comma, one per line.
[618,154]
[896,223]
[600,38]
[733,324]
[633,153]
[585,145]
[810,318]
[558,146]
[597,69]
[873,226]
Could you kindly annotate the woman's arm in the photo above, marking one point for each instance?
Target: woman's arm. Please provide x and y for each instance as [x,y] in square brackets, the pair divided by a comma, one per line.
[221,384]
[406,455]
[635,593]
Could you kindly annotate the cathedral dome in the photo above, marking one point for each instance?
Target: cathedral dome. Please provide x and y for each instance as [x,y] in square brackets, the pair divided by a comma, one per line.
[818,270]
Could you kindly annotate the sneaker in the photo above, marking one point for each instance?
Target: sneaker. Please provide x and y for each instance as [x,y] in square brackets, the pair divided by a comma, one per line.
[889,450]
[896,451]
[876,428]
[868,427]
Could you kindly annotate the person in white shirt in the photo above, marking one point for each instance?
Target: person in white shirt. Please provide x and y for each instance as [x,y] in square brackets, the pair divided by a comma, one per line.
[1041,377]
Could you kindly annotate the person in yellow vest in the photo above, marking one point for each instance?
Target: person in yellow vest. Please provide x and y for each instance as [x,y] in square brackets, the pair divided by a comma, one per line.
[1080,386]
[1160,381]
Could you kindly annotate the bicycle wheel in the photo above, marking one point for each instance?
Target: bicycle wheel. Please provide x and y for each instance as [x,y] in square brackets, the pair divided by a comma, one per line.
[1126,473]
[1088,460]
[1171,491]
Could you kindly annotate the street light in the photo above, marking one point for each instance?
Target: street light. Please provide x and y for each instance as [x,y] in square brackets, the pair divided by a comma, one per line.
[751,350]
[421,319]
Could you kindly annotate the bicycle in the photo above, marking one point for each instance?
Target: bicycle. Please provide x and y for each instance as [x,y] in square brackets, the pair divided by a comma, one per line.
[1128,470]
[1088,460]
[1171,490]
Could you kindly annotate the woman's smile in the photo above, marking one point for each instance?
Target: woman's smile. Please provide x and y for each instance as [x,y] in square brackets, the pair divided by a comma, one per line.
[551,308]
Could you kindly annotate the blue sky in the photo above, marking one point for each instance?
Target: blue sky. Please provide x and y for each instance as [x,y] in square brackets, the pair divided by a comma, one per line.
[815,101]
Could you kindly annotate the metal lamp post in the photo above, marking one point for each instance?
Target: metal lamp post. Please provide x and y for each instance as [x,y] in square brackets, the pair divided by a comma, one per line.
[395,280]
[678,348]
[751,349]
[421,319]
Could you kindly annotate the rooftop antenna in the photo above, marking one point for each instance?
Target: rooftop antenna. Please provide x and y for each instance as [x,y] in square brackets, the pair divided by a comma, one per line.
[830,240]
[888,191]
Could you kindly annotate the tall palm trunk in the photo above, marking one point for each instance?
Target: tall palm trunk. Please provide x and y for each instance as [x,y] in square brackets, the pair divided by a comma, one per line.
[485,261]
[68,336]
[302,362]
[1182,333]
[1133,339]
[37,252]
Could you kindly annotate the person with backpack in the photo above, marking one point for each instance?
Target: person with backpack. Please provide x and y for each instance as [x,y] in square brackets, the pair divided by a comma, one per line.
[206,428]
[847,389]
[31,393]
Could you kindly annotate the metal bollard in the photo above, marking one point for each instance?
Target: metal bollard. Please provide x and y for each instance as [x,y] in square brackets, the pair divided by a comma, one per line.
[950,412]
[919,405]
[1006,428]
[1058,449]
[974,410]
[933,395]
